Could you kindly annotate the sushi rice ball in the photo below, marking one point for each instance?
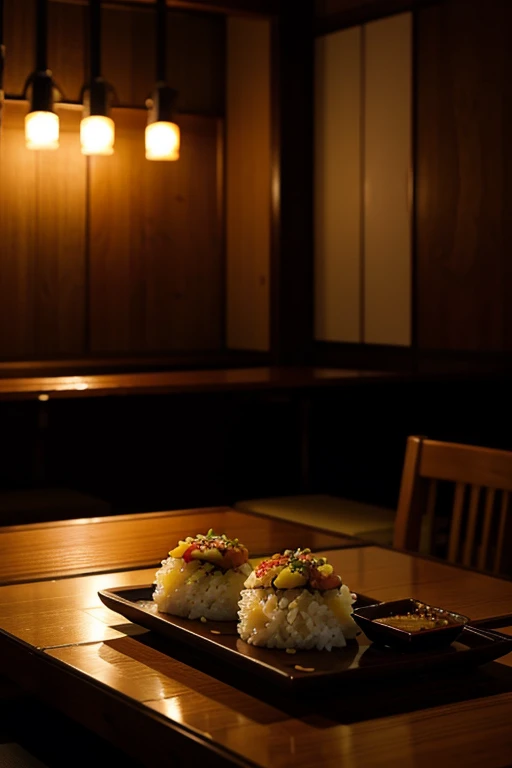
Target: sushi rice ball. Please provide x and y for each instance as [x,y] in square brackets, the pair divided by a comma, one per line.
[202,578]
[295,600]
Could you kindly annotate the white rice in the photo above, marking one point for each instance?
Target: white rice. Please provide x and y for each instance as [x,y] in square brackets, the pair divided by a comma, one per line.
[296,618]
[194,590]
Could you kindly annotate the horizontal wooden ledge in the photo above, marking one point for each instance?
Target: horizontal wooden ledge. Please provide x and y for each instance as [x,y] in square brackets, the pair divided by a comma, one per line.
[179,382]
[415,361]
[97,365]
[227,7]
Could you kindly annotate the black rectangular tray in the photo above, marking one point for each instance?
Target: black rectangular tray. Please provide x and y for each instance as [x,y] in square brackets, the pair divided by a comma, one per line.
[359,660]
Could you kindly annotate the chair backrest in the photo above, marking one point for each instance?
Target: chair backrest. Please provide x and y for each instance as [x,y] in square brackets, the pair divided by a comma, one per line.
[481,480]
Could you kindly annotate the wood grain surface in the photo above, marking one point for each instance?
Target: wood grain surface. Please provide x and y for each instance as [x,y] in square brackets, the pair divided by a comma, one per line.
[168,286]
[67,47]
[60,255]
[115,543]
[42,219]
[463,211]
[18,224]
[214,705]
[59,642]
[19,38]
[389,575]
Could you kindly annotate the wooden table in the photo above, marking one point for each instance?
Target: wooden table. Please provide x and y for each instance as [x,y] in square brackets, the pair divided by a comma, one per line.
[61,644]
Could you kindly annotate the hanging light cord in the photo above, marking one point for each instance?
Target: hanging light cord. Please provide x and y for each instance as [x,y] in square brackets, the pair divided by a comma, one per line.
[95,38]
[95,54]
[42,28]
[41,51]
[161,40]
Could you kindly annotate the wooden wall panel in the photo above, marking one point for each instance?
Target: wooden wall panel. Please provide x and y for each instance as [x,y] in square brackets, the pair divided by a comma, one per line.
[464,207]
[66,43]
[42,221]
[387,179]
[115,216]
[127,53]
[156,259]
[60,267]
[185,286]
[18,207]
[195,60]
[248,183]
[338,145]
[155,243]
[67,52]
[20,37]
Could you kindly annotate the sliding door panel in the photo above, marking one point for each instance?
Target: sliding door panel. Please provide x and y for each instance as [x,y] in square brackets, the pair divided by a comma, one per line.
[387,179]
[338,187]
[248,184]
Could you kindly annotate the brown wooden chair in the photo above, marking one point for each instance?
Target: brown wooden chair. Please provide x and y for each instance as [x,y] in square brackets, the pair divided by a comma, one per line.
[475,483]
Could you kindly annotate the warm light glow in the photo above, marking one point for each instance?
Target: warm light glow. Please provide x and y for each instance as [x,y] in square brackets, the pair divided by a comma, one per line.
[42,130]
[97,134]
[162,141]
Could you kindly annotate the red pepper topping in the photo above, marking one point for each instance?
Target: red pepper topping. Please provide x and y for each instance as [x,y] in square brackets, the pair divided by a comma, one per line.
[187,555]
[304,561]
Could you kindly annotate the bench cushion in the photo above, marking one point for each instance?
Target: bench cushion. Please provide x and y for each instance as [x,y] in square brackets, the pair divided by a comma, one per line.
[333,513]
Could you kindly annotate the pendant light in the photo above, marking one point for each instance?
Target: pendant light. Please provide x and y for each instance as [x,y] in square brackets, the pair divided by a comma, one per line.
[41,122]
[162,133]
[97,130]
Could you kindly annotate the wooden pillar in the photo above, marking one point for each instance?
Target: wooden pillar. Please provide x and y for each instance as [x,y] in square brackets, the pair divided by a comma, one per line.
[292,184]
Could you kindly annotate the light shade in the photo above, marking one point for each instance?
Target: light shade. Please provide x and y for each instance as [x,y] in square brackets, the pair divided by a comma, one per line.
[42,130]
[162,141]
[97,134]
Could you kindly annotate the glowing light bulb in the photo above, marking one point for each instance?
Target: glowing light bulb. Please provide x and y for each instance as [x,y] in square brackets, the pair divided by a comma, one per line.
[97,134]
[162,141]
[42,130]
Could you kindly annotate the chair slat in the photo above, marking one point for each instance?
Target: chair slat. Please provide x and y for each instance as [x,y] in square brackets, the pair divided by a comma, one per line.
[501,531]
[490,495]
[482,480]
[458,506]
[471,528]
[430,514]
[407,520]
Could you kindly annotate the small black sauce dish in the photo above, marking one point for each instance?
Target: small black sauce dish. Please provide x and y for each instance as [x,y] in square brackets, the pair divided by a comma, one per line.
[412,629]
